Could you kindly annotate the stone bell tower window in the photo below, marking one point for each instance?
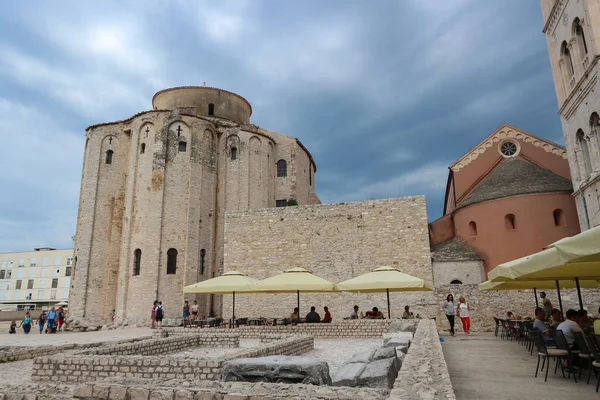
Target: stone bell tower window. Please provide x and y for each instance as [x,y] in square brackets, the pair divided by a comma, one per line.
[171,262]
[109,156]
[182,147]
[233,154]
[281,168]
[137,261]
[211,109]
[202,260]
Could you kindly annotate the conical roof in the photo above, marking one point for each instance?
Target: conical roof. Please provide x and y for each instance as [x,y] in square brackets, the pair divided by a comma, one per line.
[516,177]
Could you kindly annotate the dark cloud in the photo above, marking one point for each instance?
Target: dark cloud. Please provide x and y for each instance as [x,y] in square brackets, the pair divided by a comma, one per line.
[384,97]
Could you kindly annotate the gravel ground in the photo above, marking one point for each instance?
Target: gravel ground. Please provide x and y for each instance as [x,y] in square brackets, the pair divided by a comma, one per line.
[210,353]
[16,372]
[338,351]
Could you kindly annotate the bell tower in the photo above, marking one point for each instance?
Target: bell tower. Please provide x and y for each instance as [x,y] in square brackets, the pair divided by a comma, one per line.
[572,29]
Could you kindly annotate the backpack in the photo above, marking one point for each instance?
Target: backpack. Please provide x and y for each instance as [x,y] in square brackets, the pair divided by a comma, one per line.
[159,312]
[61,315]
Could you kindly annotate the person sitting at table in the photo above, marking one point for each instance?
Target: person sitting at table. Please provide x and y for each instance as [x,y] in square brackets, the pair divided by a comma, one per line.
[556,318]
[374,314]
[327,318]
[584,321]
[407,313]
[569,326]
[597,324]
[510,315]
[313,316]
[540,317]
[295,317]
[354,314]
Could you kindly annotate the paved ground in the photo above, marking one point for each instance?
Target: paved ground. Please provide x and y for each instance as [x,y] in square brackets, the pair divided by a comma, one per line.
[483,366]
[35,339]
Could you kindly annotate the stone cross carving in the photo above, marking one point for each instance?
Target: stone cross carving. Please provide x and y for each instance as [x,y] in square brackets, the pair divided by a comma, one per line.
[178,130]
[147,131]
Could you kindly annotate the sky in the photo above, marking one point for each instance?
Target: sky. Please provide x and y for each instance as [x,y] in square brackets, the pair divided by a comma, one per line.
[385,95]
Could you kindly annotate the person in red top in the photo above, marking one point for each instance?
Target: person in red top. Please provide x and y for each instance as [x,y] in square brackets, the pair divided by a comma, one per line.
[327,317]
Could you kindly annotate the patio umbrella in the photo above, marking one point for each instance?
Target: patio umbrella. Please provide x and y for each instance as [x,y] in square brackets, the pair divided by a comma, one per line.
[584,246]
[523,285]
[384,279]
[228,283]
[294,280]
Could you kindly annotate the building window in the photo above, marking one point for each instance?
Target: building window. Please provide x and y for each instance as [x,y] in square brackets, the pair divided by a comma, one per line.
[509,222]
[30,284]
[143,148]
[44,272]
[54,283]
[585,152]
[109,156]
[42,283]
[182,147]
[137,261]
[566,55]
[202,260]
[171,262]
[28,296]
[68,271]
[57,260]
[21,262]
[509,148]
[310,177]
[211,109]
[53,294]
[281,168]
[18,286]
[595,128]
[32,262]
[69,260]
[456,282]
[8,273]
[2,274]
[56,272]
[280,203]
[233,154]
[472,228]
[559,217]
[45,261]
[580,35]
[40,294]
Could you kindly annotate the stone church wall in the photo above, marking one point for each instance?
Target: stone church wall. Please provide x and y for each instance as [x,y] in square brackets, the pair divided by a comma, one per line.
[334,241]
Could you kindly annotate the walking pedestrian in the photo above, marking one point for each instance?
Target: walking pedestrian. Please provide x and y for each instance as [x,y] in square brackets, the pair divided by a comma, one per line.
[13,327]
[153,315]
[449,311]
[61,317]
[52,314]
[195,308]
[160,313]
[186,313]
[26,323]
[463,312]
[42,321]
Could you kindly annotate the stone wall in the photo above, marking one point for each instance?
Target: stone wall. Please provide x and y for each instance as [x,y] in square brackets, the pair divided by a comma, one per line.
[424,373]
[74,368]
[334,241]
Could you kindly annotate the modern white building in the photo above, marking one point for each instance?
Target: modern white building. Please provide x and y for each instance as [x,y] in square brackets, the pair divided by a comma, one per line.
[35,279]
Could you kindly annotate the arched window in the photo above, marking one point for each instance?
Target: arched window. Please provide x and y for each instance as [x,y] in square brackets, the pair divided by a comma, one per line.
[509,222]
[456,282]
[171,261]
[137,261]
[233,154]
[585,152]
[143,148]
[472,228]
[182,147]
[595,128]
[566,54]
[109,156]
[281,168]
[559,217]
[580,35]
[211,109]
[202,260]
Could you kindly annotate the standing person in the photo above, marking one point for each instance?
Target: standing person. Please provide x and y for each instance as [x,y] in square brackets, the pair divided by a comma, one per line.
[546,303]
[449,311]
[463,312]
[195,308]
[61,317]
[186,313]
[160,313]
[26,323]
[153,315]
[13,327]
[51,320]
[327,318]
[354,314]
[42,321]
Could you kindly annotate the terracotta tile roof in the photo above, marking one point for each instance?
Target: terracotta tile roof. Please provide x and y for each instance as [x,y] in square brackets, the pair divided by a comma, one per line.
[454,250]
[516,177]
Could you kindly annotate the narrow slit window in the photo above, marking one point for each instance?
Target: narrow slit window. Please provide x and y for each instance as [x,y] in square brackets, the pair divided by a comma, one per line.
[233,154]
[182,147]
[143,148]
[171,262]
[137,261]
[202,261]
[472,228]
[559,217]
[109,156]
[509,222]
[211,109]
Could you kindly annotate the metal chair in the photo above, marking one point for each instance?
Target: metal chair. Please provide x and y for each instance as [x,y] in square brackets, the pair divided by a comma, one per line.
[595,349]
[562,344]
[546,354]
[584,354]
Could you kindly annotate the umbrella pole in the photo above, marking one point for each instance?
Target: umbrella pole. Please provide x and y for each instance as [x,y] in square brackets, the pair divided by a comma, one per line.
[559,299]
[298,305]
[536,299]
[233,311]
[579,294]
[388,299]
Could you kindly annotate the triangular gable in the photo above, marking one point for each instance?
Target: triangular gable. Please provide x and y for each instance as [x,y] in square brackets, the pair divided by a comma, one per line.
[506,131]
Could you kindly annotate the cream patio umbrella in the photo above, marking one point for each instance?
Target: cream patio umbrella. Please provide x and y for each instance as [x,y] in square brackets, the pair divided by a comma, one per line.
[228,283]
[384,279]
[294,280]
[581,247]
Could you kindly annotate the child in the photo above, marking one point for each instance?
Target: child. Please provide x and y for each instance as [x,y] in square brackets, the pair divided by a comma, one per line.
[13,327]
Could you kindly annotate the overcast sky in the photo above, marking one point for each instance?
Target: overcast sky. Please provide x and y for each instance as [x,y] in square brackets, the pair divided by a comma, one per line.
[384,94]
